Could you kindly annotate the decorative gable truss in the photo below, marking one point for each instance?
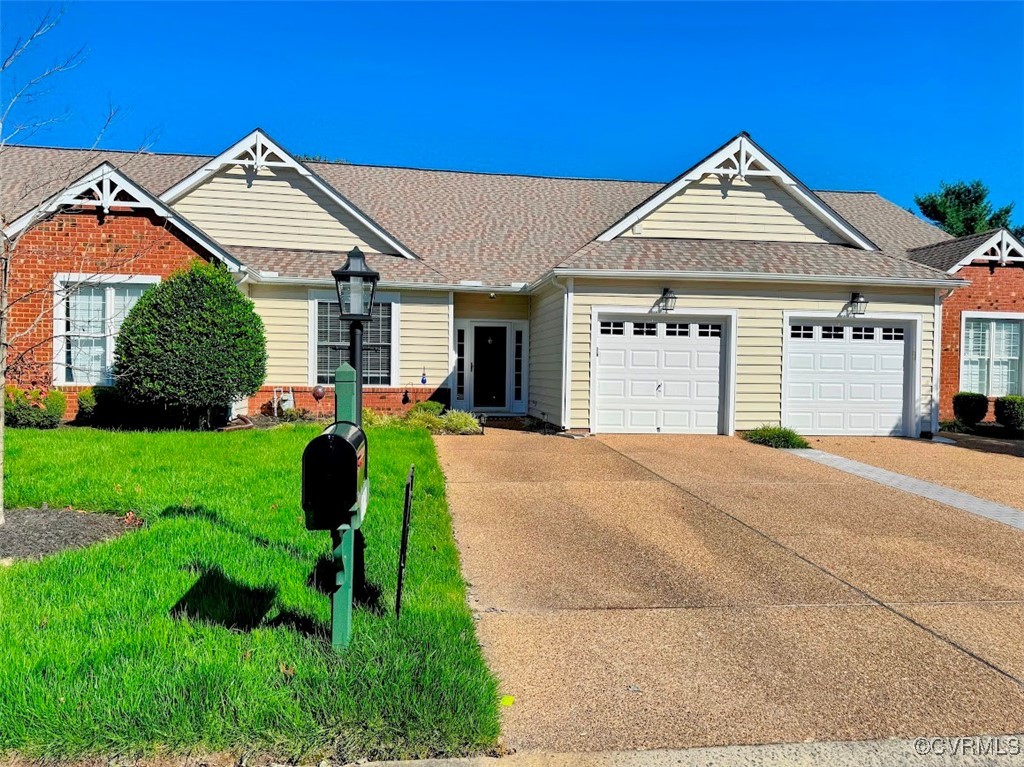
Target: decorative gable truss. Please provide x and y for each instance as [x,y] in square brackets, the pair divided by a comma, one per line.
[1002,248]
[256,194]
[740,169]
[104,188]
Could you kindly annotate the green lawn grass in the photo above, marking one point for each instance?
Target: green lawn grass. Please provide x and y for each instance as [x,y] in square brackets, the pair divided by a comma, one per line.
[97,657]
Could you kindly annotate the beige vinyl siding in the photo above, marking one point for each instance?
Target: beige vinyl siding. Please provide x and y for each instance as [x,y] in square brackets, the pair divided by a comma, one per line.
[547,312]
[720,208]
[422,335]
[759,337]
[424,338]
[480,306]
[275,208]
[285,313]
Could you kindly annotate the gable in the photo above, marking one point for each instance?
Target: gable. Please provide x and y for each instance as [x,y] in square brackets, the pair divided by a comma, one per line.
[255,194]
[738,192]
[274,207]
[732,208]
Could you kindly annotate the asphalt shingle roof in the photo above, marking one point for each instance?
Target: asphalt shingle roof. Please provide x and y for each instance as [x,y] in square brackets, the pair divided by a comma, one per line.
[947,254]
[498,229]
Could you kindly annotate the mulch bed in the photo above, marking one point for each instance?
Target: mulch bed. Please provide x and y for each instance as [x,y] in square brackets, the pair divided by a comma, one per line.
[34,533]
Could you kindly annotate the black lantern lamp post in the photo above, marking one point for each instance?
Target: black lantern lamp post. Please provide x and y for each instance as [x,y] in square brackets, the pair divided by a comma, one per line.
[356,283]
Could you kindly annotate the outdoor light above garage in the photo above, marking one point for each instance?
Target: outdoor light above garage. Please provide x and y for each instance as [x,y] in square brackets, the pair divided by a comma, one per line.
[668,300]
[858,305]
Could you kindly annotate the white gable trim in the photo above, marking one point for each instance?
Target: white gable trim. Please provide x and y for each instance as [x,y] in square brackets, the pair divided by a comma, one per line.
[257,150]
[1001,248]
[106,187]
[742,157]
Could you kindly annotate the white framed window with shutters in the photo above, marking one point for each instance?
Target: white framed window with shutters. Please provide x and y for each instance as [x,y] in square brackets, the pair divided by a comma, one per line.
[992,353]
[88,310]
[329,339]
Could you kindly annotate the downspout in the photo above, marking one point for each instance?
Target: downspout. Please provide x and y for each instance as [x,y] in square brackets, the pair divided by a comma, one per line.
[567,305]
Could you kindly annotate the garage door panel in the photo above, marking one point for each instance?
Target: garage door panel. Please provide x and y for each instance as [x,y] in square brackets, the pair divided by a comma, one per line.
[658,382]
[643,358]
[848,385]
[643,388]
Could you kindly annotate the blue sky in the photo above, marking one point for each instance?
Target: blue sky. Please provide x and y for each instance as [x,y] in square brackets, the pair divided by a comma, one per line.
[886,96]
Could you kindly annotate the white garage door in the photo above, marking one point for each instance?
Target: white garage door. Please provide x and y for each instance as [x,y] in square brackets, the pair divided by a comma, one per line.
[658,376]
[845,379]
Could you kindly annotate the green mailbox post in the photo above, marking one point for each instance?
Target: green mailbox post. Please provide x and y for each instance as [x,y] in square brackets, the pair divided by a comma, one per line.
[335,475]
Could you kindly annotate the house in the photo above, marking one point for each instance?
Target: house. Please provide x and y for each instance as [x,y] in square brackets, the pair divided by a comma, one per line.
[731,297]
[983,324]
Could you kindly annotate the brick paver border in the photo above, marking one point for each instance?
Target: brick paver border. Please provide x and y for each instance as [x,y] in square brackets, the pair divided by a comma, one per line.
[1008,515]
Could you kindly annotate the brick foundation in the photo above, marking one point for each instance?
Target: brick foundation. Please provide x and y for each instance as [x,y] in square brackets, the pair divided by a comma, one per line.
[992,289]
[382,399]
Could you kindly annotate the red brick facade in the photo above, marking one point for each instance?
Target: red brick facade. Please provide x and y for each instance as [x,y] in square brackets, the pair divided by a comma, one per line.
[992,289]
[383,399]
[87,243]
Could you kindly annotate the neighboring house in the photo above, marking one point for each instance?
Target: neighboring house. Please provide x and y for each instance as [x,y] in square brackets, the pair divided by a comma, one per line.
[983,324]
[720,301]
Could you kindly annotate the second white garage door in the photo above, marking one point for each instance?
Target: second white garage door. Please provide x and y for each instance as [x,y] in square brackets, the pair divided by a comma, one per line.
[845,379]
[657,376]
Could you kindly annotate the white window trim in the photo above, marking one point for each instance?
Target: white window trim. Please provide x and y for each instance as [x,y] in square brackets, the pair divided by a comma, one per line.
[728,318]
[316,296]
[913,416]
[61,282]
[964,316]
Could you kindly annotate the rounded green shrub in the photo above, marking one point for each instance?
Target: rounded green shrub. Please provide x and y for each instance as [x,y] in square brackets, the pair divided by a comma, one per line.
[777,437]
[428,406]
[1010,413]
[86,405]
[192,345]
[428,421]
[970,408]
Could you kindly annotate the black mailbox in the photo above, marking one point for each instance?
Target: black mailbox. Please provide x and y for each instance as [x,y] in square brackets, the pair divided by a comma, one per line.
[334,474]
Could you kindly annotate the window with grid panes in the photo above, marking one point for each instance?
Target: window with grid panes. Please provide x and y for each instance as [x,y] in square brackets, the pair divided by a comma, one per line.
[332,343]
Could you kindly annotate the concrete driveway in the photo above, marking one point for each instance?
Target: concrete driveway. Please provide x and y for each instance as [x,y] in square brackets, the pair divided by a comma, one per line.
[668,592]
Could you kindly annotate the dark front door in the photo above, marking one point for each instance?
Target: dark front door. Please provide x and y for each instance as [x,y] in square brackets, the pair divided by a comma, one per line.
[490,366]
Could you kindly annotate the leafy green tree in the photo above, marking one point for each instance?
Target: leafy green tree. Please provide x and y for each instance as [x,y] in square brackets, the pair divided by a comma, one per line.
[193,345]
[963,208]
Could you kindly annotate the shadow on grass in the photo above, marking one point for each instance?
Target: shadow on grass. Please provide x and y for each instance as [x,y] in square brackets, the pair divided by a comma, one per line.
[220,600]
[366,596]
[201,512]
[215,598]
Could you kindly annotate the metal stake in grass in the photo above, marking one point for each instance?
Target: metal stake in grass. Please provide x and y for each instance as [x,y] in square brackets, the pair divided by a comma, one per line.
[406,518]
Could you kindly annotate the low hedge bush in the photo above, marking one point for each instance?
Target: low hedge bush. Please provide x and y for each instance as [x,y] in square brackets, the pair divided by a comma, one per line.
[434,408]
[777,437]
[1010,413]
[86,405]
[33,409]
[970,408]
[460,422]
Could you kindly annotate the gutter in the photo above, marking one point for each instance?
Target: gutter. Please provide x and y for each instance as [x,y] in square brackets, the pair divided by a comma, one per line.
[397,285]
[567,311]
[939,282]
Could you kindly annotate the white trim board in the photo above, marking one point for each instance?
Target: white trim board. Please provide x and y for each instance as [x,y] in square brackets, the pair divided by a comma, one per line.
[738,158]
[314,296]
[729,319]
[257,150]
[106,187]
[913,348]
